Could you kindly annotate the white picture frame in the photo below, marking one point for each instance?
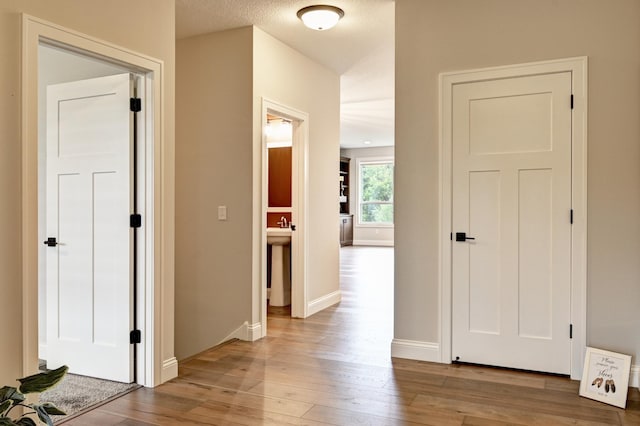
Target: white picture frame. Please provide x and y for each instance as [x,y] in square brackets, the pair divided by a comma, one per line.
[605,377]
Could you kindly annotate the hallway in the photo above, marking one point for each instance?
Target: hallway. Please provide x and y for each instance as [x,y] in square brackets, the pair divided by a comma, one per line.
[335,368]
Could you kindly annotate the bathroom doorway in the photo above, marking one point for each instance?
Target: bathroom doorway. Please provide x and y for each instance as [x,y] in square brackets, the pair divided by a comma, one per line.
[284,210]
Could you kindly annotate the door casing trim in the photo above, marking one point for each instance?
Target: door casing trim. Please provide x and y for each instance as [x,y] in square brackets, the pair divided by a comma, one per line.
[578,68]
[152,368]
[300,207]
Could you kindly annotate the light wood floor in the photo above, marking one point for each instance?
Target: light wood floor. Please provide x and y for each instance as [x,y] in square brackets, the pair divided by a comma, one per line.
[335,368]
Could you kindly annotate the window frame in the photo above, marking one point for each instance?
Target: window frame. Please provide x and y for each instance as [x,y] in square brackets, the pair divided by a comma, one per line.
[368,161]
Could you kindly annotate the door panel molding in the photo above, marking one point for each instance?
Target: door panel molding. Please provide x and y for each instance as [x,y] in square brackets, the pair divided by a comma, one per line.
[578,69]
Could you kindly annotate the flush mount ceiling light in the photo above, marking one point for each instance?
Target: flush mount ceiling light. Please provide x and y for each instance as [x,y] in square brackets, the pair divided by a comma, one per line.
[320,17]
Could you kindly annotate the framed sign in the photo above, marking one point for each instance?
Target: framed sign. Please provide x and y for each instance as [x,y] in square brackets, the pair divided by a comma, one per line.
[605,377]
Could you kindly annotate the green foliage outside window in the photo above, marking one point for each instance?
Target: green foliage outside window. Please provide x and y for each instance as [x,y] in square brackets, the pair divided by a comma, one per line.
[376,198]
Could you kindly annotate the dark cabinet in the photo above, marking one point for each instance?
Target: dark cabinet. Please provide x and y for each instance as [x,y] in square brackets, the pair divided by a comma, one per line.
[346,230]
[344,185]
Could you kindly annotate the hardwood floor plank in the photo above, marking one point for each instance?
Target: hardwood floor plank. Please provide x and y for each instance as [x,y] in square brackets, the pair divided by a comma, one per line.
[335,368]
[493,410]
[243,399]
[480,421]
[227,414]
[473,372]
[348,418]
[393,408]
[96,417]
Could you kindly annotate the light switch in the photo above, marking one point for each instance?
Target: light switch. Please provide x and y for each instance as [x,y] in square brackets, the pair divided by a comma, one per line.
[222,212]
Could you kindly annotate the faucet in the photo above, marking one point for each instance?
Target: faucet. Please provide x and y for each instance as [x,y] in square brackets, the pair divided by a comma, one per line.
[283,222]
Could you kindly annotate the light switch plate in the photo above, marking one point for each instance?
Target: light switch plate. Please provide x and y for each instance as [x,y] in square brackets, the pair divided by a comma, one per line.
[222,212]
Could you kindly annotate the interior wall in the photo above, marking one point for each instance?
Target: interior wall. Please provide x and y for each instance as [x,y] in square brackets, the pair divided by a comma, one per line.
[213,168]
[136,30]
[55,66]
[467,34]
[284,75]
[221,79]
[366,235]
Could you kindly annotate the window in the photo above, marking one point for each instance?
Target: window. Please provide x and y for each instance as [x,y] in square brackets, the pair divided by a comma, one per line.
[376,192]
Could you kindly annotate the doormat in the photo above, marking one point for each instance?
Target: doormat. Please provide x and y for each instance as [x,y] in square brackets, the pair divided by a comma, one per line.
[78,394]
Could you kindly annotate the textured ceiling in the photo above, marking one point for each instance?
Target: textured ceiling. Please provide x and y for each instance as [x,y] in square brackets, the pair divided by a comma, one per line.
[360,49]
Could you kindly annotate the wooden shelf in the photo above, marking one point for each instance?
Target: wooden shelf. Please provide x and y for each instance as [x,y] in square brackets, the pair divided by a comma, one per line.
[343,187]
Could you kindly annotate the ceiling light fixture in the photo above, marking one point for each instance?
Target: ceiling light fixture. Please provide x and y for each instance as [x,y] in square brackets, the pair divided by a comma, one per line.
[366,142]
[320,17]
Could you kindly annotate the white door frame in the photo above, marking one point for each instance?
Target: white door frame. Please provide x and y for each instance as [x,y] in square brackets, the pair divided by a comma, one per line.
[152,369]
[578,69]
[300,204]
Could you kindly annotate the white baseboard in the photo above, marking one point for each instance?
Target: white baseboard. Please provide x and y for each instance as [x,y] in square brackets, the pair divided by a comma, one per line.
[634,377]
[380,243]
[247,332]
[412,349]
[169,370]
[254,331]
[324,302]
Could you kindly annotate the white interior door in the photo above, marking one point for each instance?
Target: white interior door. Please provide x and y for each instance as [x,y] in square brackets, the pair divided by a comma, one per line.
[89,201]
[512,194]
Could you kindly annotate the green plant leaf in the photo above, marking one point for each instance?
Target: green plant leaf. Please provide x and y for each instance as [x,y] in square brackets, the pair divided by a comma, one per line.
[51,409]
[5,405]
[26,421]
[42,414]
[6,421]
[8,392]
[42,381]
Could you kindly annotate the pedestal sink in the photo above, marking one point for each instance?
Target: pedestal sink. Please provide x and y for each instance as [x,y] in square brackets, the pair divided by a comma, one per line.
[280,287]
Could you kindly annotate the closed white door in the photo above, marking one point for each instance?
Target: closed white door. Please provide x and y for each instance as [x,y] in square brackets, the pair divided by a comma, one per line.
[512,195]
[89,201]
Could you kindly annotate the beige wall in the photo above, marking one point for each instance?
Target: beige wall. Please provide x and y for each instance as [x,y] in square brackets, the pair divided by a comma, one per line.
[148,27]
[437,36]
[283,75]
[366,235]
[213,168]
[221,79]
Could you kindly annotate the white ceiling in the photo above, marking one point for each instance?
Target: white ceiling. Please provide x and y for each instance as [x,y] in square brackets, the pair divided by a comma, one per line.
[360,49]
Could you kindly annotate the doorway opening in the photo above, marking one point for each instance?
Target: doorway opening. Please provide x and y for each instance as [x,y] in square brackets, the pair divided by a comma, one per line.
[284,211]
[76,93]
[151,367]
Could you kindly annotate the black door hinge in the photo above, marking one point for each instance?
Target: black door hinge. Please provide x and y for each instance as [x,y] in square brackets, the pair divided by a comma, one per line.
[571,216]
[135,104]
[570,331]
[451,236]
[135,336]
[571,101]
[135,221]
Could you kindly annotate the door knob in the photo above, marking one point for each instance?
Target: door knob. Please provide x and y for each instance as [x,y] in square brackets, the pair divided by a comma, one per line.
[462,236]
[51,242]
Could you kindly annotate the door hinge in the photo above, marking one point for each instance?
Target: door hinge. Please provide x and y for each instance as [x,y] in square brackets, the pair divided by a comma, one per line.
[571,216]
[571,101]
[135,104]
[570,331]
[135,336]
[451,236]
[135,221]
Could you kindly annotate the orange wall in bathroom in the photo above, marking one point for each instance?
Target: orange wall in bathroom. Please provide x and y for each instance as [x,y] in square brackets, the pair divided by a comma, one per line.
[280,177]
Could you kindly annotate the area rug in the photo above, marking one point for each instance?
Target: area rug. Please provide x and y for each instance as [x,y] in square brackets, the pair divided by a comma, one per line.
[77,394]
